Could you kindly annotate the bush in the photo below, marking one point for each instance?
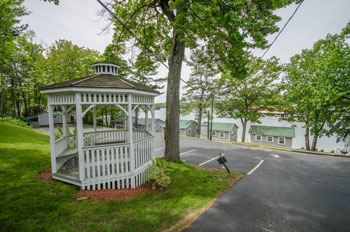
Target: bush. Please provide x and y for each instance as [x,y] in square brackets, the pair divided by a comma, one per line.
[59,133]
[15,121]
[157,176]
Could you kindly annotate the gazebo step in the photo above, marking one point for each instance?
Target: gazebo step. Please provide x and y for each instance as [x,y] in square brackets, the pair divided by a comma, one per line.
[68,152]
[66,178]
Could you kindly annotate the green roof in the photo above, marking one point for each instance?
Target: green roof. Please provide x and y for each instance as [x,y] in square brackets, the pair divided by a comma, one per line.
[272,130]
[183,124]
[222,126]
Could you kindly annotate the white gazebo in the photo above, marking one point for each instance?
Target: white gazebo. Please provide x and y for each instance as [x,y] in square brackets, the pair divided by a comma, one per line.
[108,159]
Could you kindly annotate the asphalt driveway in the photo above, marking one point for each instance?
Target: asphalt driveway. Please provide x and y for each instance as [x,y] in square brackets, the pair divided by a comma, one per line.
[284,191]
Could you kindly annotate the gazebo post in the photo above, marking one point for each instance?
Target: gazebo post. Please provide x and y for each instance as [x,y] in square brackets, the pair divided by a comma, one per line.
[131,142]
[94,117]
[52,134]
[64,121]
[146,119]
[153,134]
[80,135]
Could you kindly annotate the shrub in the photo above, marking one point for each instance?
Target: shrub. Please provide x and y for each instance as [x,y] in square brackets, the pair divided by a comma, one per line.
[157,176]
[15,121]
[59,133]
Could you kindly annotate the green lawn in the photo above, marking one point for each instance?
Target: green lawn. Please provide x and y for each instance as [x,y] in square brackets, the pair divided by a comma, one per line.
[29,205]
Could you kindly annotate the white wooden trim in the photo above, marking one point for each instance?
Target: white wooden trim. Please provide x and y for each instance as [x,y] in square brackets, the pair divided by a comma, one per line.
[153,133]
[52,136]
[256,138]
[285,140]
[120,107]
[131,142]
[87,110]
[267,140]
[70,108]
[80,137]
[97,90]
[135,107]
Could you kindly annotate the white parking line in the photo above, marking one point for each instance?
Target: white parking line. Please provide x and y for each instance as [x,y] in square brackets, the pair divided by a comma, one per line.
[158,149]
[209,160]
[187,152]
[251,171]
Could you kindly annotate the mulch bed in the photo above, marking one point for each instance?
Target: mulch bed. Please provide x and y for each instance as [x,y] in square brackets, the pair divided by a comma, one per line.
[45,175]
[105,194]
[115,194]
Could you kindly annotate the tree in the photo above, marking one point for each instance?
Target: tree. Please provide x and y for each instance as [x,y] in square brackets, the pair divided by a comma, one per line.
[318,83]
[66,61]
[243,99]
[10,28]
[227,28]
[200,87]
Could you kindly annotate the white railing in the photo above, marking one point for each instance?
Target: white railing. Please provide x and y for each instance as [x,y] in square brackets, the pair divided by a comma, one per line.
[61,145]
[140,135]
[143,152]
[106,161]
[113,136]
[94,138]
[72,141]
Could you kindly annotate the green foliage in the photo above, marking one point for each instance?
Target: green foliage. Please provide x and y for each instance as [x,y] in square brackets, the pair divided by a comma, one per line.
[66,61]
[51,205]
[158,106]
[15,121]
[200,87]
[224,25]
[244,98]
[59,133]
[157,176]
[317,84]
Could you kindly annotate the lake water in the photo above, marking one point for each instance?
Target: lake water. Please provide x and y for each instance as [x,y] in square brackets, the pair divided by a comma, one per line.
[325,143]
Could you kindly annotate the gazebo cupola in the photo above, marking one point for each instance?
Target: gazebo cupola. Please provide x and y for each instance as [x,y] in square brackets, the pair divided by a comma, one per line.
[94,158]
[105,67]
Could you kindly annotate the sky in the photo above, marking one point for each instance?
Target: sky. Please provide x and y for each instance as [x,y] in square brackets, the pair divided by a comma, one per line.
[78,21]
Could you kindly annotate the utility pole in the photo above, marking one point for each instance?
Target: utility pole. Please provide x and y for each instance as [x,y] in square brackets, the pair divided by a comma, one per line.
[208,137]
[211,118]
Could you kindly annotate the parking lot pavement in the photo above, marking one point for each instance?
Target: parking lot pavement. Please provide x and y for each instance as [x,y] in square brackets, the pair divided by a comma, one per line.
[285,192]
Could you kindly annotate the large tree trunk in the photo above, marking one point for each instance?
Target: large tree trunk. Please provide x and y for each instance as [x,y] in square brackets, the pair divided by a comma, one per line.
[244,124]
[172,146]
[307,140]
[314,143]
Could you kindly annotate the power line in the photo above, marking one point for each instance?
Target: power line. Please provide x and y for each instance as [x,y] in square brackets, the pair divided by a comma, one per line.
[126,28]
[285,25]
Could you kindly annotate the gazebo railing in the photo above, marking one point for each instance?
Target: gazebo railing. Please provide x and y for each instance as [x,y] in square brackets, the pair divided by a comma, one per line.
[106,161]
[112,136]
[143,152]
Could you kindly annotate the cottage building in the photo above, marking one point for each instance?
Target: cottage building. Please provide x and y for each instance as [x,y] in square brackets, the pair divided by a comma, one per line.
[223,131]
[42,119]
[188,128]
[110,159]
[158,124]
[272,135]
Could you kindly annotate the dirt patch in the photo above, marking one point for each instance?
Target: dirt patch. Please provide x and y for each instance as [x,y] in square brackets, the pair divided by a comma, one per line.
[115,194]
[45,175]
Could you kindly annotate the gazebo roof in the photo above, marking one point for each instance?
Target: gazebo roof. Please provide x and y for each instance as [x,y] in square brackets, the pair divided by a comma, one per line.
[101,81]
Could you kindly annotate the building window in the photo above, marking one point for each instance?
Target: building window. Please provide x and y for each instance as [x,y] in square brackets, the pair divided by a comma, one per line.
[282,140]
[269,139]
[222,134]
[258,138]
[55,116]
[213,133]
[189,130]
